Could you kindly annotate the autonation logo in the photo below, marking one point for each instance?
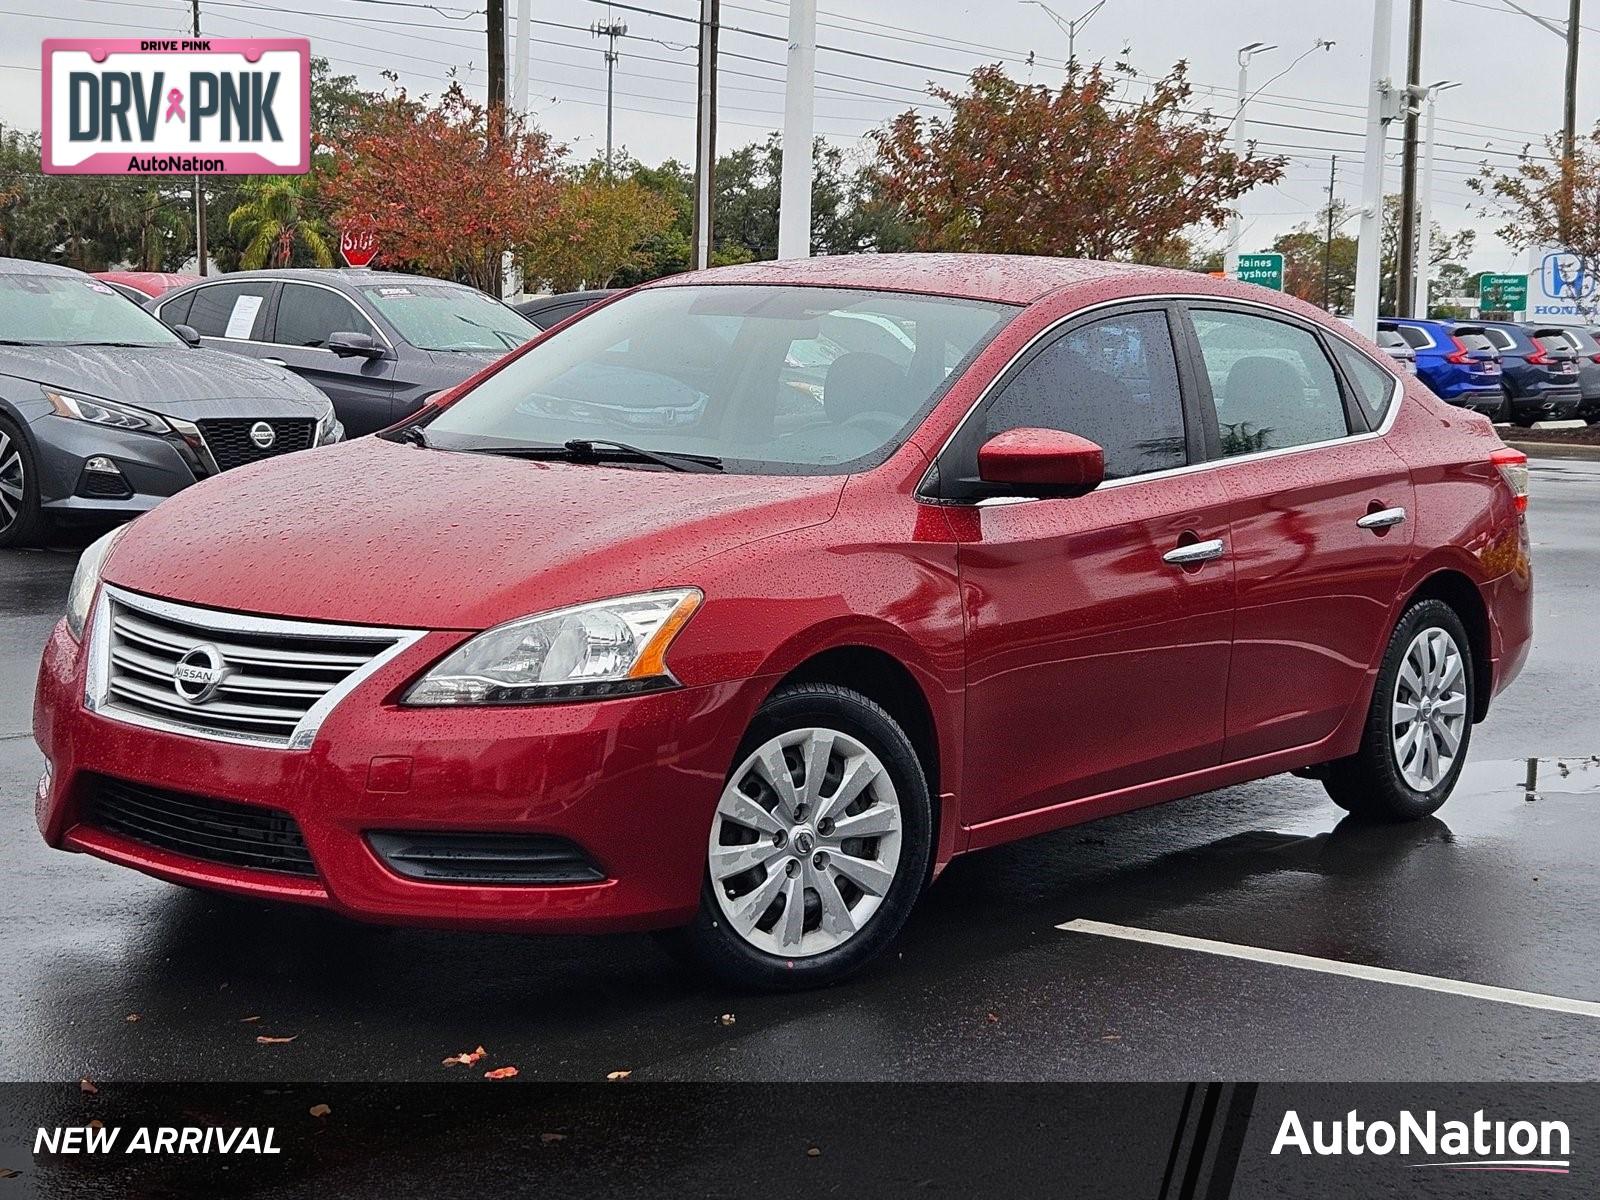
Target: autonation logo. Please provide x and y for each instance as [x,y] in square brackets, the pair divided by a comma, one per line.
[1479,1144]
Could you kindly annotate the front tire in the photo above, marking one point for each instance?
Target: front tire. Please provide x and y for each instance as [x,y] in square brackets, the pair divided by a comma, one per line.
[819,846]
[1419,724]
[22,523]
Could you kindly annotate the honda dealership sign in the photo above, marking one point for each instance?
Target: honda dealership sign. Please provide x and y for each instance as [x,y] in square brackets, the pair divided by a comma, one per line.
[1562,288]
[173,106]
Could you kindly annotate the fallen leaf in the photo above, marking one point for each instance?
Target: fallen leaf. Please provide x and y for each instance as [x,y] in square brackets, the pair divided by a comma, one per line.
[8,1173]
[619,1075]
[501,1073]
[264,1040]
[97,1124]
[813,1152]
[548,1138]
[319,1110]
[247,1020]
[727,1018]
[992,1018]
[87,1085]
[467,1058]
[1111,1037]
[131,1018]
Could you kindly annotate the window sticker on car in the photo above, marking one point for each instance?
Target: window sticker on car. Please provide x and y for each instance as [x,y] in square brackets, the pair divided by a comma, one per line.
[94,285]
[395,291]
[243,317]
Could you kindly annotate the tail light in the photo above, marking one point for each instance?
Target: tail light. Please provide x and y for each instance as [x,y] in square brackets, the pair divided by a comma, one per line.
[1461,354]
[1513,468]
[1539,358]
[1594,358]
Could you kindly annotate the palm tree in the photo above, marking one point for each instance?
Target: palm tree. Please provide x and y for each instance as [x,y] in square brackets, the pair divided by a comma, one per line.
[273,223]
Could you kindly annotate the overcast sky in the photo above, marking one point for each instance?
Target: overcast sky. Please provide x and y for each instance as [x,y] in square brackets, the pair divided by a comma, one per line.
[1510,69]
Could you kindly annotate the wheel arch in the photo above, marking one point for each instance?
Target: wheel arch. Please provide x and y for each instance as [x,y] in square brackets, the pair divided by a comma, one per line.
[1457,590]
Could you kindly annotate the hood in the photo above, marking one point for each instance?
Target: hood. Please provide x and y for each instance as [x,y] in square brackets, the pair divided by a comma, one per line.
[370,532]
[160,378]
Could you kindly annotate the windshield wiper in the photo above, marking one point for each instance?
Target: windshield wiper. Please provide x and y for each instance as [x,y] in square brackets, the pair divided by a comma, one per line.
[594,450]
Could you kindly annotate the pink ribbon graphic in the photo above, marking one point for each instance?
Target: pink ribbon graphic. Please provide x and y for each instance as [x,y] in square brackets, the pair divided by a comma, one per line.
[175,105]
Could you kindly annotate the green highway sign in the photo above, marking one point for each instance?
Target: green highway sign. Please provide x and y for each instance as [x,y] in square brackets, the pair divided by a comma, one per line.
[1263,269]
[1503,293]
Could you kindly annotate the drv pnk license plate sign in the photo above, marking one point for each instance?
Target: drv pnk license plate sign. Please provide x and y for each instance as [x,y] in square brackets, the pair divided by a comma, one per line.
[175,106]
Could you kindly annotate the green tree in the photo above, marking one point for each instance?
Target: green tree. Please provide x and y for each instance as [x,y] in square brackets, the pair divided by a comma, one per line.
[273,225]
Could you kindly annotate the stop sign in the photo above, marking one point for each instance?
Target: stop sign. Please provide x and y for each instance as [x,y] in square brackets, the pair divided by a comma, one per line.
[358,247]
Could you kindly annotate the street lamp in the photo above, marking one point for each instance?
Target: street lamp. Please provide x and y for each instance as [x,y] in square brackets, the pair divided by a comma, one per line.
[1230,262]
[1419,300]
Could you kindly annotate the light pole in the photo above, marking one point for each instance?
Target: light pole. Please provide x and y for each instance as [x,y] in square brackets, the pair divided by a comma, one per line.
[611,30]
[1230,262]
[799,125]
[1380,104]
[1419,299]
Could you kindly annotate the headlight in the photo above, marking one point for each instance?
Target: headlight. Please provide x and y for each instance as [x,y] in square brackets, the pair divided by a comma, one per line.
[85,581]
[593,651]
[105,412]
[328,428]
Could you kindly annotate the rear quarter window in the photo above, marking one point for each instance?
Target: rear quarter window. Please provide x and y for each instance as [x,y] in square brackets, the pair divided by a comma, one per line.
[1374,387]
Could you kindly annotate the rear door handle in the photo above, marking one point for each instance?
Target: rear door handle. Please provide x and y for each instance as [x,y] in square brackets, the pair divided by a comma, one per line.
[1195,552]
[276,362]
[1383,518]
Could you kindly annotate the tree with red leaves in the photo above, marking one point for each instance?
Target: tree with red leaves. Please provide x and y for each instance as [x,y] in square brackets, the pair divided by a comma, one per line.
[1023,169]
[447,187]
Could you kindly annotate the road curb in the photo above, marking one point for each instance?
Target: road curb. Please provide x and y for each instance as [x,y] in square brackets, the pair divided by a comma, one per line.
[1557,450]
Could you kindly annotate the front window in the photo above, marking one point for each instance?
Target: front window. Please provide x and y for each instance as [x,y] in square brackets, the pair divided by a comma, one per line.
[783,380]
[62,310]
[448,317]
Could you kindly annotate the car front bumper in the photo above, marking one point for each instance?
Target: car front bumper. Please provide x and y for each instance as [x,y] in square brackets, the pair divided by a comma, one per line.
[631,782]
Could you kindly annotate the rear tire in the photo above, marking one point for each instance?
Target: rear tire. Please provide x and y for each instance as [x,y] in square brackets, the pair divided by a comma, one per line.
[1505,413]
[809,880]
[22,523]
[1422,702]
[1524,422]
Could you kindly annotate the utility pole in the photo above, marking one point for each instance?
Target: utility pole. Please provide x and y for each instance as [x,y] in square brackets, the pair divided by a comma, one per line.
[1071,27]
[523,62]
[1327,244]
[1368,250]
[200,250]
[612,30]
[799,124]
[705,139]
[1570,119]
[1406,264]
[496,13]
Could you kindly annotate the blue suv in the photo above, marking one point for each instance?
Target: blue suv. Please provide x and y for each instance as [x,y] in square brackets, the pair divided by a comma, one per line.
[1540,368]
[1455,359]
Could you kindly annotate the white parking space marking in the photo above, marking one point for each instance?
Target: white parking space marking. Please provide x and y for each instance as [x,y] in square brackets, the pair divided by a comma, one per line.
[1330,966]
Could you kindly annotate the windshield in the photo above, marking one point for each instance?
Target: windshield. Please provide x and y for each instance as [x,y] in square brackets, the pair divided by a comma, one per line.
[783,380]
[74,310]
[444,316]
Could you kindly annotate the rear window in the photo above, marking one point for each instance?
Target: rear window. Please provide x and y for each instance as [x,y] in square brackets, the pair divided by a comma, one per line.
[1474,339]
[1416,338]
[1555,343]
[1390,340]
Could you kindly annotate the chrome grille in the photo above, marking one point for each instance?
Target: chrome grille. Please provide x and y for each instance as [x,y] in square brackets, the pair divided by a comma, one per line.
[262,680]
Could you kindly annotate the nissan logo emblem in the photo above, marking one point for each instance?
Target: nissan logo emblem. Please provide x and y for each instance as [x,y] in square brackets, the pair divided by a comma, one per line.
[199,673]
[261,434]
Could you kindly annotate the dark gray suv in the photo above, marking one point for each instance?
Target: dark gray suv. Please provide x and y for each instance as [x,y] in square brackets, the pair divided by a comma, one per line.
[377,343]
[106,411]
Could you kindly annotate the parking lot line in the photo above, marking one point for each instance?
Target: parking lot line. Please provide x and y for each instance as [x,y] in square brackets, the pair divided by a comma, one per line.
[1330,966]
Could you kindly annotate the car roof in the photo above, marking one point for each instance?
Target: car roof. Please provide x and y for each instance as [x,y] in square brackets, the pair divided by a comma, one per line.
[591,296]
[1006,278]
[349,276]
[23,266]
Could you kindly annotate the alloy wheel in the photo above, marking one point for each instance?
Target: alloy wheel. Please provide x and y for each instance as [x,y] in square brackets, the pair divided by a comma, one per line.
[805,842]
[1428,715]
[13,483]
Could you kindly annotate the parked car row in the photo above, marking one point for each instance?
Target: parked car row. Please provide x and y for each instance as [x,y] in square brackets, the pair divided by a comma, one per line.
[106,410]
[1516,373]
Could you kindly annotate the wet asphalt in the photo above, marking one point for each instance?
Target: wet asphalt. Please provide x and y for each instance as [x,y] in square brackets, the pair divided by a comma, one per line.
[109,974]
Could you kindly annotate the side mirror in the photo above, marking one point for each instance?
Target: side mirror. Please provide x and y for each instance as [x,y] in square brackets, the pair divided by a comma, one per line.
[354,345]
[1041,463]
[188,333]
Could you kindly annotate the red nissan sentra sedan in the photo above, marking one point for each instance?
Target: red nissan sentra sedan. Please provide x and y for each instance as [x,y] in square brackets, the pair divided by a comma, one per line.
[749,599]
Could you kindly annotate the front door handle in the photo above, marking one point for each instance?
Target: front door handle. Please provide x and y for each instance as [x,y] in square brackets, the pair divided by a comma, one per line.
[1195,552]
[1383,518]
[276,362]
